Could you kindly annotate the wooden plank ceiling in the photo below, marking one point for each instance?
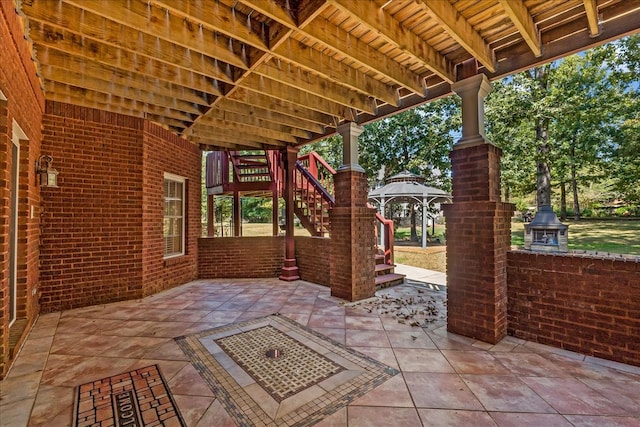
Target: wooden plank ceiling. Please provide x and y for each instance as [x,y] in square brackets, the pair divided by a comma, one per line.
[236,74]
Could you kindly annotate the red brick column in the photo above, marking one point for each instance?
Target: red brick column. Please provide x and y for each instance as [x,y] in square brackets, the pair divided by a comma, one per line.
[478,237]
[352,260]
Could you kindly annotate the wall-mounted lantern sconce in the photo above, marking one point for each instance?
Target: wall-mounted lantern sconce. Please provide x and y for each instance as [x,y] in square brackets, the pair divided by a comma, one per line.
[47,175]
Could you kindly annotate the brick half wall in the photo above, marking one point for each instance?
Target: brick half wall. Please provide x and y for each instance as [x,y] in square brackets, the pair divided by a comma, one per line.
[238,257]
[312,255]
[581,303]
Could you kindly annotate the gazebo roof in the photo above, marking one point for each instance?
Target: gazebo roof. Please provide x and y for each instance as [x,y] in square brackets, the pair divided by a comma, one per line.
[247,74]
[406,185]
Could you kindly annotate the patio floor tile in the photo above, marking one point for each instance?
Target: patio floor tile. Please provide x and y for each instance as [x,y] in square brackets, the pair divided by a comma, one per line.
[445,379]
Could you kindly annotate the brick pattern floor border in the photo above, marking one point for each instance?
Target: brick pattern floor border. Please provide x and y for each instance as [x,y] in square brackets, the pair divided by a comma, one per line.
[135,398]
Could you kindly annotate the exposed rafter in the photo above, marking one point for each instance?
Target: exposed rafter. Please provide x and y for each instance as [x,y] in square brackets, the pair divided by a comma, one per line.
[252,74]
[378,20]
[591,8]
[523,21]
[459,29]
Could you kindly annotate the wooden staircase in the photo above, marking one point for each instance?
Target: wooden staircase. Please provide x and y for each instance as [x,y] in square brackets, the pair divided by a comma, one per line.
[261,171]
[385,275]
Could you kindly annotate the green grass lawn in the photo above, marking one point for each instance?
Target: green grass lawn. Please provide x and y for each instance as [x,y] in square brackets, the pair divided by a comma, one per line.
[616,236]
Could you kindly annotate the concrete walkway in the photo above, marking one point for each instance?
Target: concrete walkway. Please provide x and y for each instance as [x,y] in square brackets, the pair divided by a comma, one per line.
[428,277]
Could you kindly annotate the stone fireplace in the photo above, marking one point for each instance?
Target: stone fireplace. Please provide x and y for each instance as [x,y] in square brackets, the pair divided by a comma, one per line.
[546,233]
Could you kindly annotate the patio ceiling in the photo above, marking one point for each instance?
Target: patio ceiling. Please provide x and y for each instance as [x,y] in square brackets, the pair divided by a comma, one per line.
[243,74]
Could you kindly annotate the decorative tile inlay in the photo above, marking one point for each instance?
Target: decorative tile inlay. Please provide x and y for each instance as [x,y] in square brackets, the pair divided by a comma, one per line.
[311,378]
[292,368]
[135,398]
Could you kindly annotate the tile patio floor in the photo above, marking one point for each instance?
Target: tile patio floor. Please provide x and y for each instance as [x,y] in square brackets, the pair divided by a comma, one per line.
[445,379]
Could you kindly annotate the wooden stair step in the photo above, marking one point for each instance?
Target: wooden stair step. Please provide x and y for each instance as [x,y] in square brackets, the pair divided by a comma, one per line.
[384,267]
[380,259]
[387,280]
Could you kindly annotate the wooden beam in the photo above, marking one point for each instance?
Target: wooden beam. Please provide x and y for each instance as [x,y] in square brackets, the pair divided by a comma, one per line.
[326,67]
[145,55]
[269,115]
[153,21]
[521,18]
[342,42]
[383,24]
[270,103]
[460,29]
[299,79]
[69,62]
[61,62]
[308,10]
[71,78]
[591,8]
[216,125]
[244,138]
[157,117]
[114,100]
[246,119]
[218,17]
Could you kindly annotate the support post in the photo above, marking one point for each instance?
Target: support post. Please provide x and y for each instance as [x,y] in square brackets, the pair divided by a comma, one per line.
[425,205]
[211,215]
[478,226]
[290,269]
[352,256]
[382,206]
[274,213]
[237,214]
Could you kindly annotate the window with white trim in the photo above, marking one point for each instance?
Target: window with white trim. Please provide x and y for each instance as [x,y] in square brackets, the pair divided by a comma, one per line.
[173,227]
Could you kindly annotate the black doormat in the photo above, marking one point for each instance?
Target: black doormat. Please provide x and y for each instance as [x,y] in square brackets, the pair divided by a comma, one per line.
[272,371]
[135,398]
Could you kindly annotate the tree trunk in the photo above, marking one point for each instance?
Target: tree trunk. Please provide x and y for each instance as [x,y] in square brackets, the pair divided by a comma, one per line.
[543,181]
[507,193]
[563,200]
[574,183]
[414,231]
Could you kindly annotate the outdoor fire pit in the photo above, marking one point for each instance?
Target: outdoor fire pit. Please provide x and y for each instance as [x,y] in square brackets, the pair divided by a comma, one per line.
[546,232]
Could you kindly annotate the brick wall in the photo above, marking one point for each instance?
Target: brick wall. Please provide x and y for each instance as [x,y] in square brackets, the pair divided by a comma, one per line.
[91,250]
[163,152]
[102,229]
[24,104]
[237,257]
[581,303]
[312,256]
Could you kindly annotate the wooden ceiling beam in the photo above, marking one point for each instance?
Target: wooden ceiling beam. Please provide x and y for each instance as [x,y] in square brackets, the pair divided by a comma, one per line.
[59,75]
[215,142]
[459,28]
[285,107]
[232,136]
[301,80]
[157,117]
[521,18]
[269,115]
[328,68]
[138,52]
[165,72]
[215,125]
[591,8]
[216,16]
[252,121]
[115,100]
[383,24]
[155,22]
[65,62]
[343,43]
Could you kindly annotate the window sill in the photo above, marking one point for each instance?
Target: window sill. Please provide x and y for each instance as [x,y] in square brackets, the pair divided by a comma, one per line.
[175,260]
